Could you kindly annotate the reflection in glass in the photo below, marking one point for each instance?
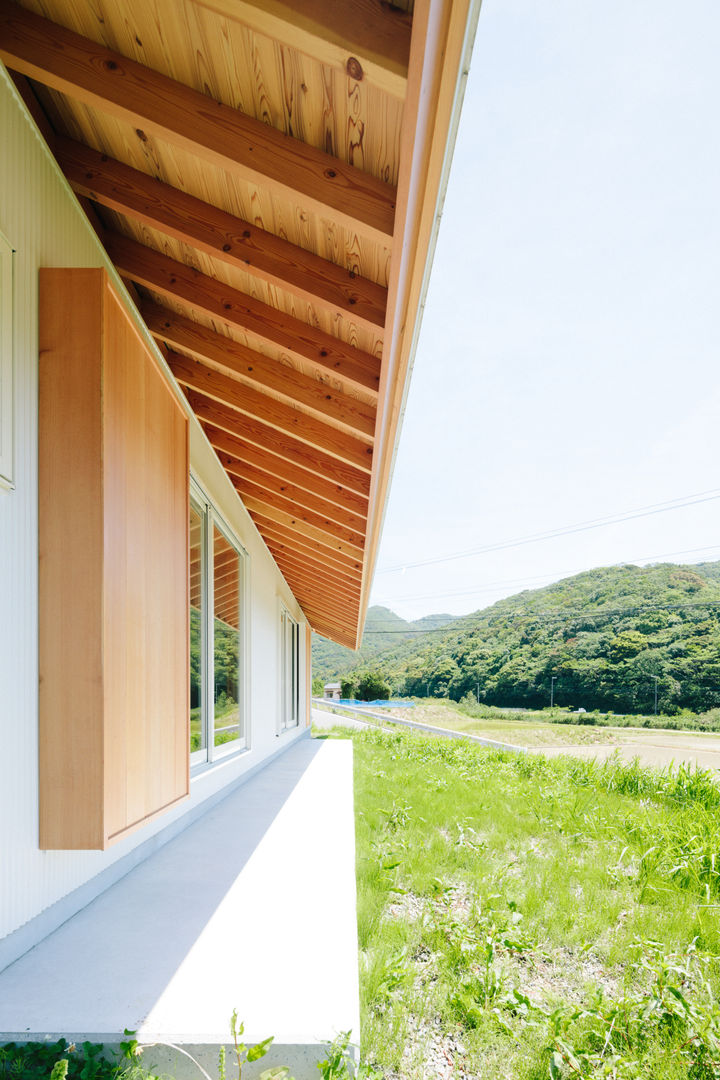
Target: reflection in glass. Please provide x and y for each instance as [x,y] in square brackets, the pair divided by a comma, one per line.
[197,621]
[226,635]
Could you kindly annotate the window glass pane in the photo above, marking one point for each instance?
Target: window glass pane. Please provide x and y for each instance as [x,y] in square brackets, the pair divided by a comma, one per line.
[197,619]
[226,635]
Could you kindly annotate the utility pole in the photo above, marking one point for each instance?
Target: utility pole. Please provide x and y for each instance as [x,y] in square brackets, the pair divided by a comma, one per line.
[477,692]
[655,677]
[553,679]
[427,689]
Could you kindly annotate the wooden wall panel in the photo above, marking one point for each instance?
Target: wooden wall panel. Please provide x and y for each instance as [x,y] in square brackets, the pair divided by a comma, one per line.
[136,527]
[71,743]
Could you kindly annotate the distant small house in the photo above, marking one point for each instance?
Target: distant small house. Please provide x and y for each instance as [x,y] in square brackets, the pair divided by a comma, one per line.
[331,691]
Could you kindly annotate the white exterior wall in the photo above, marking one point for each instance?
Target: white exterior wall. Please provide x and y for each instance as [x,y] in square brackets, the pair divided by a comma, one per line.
[45,225]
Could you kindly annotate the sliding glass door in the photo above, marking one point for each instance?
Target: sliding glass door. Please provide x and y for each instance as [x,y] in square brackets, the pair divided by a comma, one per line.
[217,661]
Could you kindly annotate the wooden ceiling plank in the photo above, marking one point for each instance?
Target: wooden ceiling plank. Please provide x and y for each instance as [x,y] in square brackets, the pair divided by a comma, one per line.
[248,489]
[366,39]
[325,577]
[221,235]
[340,618]
[285,446]
[209,382]
[230,449]
[207,345]
[305,343]
[195,122]
[268,484]
[290,521]
[289,548]
[300,573]
[286,534]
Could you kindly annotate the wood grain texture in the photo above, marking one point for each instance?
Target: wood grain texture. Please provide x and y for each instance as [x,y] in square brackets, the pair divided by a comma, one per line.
[258,406]
[114,570]
[326,584]
[325,540]
[180,115]
[219,234]
[365,39]
[286,534]
[271,500]
[315,567]
[281,445]
[174,279]
[272,486]
[236,453]
[71,563]
[253,367]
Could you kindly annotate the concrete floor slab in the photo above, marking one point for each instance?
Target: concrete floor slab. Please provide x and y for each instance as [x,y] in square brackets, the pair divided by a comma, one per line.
[252,907]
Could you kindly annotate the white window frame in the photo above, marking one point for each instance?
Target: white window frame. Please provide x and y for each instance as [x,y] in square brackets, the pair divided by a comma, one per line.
[211,520]
[289,671]
[6,365]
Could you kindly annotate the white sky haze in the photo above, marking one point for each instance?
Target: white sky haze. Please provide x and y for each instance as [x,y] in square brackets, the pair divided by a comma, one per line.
[569,362]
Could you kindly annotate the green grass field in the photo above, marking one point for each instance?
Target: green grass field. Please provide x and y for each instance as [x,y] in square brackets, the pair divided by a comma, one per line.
[530,918]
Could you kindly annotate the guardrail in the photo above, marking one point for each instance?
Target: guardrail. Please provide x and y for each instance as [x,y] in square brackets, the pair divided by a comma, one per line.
[373,719]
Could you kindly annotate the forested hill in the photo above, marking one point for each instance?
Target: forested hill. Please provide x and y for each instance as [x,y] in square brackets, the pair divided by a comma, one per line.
[604,634]
[383,630]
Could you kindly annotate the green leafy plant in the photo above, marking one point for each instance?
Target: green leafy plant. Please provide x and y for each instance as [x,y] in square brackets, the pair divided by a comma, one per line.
[247,1054]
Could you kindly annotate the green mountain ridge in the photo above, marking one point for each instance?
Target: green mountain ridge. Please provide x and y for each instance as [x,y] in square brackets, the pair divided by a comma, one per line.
[605,635]
[383,630]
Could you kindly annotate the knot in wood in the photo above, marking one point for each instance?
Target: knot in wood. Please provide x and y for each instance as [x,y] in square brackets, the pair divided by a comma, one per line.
[354,68]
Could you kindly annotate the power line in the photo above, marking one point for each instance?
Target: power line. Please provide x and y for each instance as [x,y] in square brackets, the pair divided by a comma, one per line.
[583,526]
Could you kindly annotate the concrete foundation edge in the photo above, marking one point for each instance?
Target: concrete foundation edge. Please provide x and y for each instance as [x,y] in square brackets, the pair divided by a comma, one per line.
[31,933]
[180,1062]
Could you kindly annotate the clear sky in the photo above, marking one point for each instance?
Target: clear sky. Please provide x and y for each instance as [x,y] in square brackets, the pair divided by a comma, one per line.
[569,363]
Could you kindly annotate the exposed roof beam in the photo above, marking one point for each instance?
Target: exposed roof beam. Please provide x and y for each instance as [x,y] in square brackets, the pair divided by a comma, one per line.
[221,235]
[183,117]
[233,450]
[297,569]
[269,502]
[329,355]
[325,541]
[316,566]
[319,571]
[293,541]
[277,442]
[191,373]
[287,534]
[343,619]
[367,39]
[273,487]
[223,352]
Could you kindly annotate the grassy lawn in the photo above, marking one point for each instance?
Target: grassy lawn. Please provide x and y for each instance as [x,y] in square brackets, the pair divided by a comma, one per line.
[527,918]
[532,730]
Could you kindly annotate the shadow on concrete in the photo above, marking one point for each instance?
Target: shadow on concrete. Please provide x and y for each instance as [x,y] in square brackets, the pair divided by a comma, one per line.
[106,967]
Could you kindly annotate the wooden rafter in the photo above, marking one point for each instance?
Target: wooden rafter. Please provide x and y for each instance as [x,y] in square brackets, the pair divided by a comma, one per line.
[366,39]
[270,501]
[193,121]
[284,534]
[297,548]
[221,235]
[319,571]
[271,486]
[253,367]
[278,443]
[294,523]
[247,401]
[325,583]
[329,355]
[235,452]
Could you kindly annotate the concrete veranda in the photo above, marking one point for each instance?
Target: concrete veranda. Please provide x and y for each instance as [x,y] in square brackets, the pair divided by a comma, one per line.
[252,907]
